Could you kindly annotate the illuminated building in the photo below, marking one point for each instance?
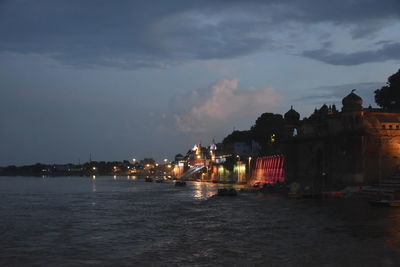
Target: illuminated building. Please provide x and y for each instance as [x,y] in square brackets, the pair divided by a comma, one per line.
[333,149]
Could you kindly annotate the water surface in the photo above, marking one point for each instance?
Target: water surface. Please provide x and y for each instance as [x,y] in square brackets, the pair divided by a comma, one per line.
[80,221]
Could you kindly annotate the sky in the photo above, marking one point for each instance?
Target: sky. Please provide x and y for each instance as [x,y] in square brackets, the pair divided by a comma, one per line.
[119,80]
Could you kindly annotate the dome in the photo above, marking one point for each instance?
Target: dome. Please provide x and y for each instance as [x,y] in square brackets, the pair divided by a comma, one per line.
[292,116]
[352,102]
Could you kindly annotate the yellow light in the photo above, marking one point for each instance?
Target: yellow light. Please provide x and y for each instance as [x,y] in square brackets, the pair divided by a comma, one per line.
[94,168]
[169,166]
[273,139]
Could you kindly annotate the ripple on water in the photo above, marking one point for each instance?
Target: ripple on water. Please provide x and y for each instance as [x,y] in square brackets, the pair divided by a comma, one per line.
[64,221]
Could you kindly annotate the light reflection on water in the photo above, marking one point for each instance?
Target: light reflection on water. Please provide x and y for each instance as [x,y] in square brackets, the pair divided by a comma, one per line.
[72,221]
[203,190]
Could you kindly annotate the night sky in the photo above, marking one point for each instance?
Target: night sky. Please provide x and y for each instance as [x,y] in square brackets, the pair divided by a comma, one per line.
[134,79]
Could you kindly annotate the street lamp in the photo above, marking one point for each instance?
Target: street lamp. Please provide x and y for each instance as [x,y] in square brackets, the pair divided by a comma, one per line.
[249,168]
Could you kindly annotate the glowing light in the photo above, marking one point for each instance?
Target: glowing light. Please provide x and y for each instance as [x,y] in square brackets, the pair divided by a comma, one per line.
[269,170]
[94,168]
[169,166]
[115,177]
[93,177]
[273,138]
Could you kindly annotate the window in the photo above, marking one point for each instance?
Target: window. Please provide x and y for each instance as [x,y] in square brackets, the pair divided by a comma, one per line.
[383,126]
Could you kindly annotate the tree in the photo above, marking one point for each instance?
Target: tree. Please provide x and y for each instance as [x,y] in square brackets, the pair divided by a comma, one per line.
[388,97]
[237,136]
[268,129]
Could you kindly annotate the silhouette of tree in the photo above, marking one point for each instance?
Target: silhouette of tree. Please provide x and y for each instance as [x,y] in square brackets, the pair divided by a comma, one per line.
[268,129]
[237,136]
[388,97]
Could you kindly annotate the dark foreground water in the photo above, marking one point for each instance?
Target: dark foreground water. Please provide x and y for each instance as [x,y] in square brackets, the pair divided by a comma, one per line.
[78,221]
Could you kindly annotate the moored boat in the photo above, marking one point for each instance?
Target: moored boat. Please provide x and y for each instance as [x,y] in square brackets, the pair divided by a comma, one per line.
[385,203]
[227,192]
[180,183]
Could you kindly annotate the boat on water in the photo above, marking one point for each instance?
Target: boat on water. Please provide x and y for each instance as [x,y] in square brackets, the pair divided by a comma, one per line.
[385,203]
[227,192]
[180,183]
[159,180]
[306,195]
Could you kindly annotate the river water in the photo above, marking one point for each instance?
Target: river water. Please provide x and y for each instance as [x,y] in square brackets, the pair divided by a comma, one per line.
[123,221]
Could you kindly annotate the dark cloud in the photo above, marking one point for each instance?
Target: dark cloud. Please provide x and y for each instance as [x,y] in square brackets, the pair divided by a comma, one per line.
[335,93]
[387,52]
[132,34]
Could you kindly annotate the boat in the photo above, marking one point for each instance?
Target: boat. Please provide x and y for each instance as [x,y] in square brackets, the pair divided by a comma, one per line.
[148,179]
[159,180]
[180,183]
[227,192]
[385,203]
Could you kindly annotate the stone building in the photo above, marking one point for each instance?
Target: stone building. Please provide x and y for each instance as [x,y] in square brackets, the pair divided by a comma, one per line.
[332,149]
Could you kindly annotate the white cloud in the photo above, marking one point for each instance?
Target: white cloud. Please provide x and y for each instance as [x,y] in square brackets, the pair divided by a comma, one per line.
[222,103]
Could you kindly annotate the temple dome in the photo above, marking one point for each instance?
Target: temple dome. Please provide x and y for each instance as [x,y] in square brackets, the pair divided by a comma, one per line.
[352,102]
[292,116]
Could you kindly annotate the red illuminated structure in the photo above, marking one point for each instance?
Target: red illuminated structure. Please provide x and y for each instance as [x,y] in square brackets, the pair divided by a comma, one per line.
[269,170]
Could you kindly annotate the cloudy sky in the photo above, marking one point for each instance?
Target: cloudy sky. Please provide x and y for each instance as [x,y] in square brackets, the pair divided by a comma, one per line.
[134,79]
